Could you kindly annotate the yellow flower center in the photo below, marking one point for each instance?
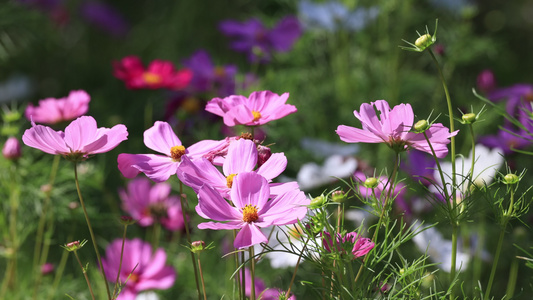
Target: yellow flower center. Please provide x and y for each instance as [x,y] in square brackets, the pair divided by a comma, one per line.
[133,278]
[229,180]
[249,213]
[257,115]
[151,78]
[296,232]
[177,152]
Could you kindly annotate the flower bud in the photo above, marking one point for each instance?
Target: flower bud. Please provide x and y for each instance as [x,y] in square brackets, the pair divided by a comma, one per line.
[511,179]
[318,202]
[371,183]
[197,246]
[126,220]
[74,246]
[486,81]
[11,149]
[11,116]
[469,118]
[263,154]
[338,196]
[421,126]
[424,41]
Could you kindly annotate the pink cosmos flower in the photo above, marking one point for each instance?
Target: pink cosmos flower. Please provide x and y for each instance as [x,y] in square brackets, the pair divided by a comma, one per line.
[359,246]
[146,270]
[242,157]
[52,111]
[80,139]
[261,290]
[47,268]
[159,168]
[159,74]
[393,128]
[11,149]
[258,109]
[252,209]
[148,204]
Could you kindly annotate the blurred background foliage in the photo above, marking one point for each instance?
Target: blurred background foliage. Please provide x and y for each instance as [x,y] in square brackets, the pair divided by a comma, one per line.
[52,47]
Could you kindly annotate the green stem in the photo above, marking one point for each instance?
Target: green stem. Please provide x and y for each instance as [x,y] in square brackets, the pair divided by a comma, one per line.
[117,281]
[473,152]
[156,235]
[252,272]
[441,174]
[495,262]
[201,276]
[243,276]
[384,208]
[296,268]
[91,230]
[238,275]
[84,274]
[513,275]
[61,267]
[189,241]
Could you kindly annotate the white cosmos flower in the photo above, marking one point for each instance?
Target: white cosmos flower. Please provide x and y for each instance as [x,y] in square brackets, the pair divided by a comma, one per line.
[486,164]
[311,175]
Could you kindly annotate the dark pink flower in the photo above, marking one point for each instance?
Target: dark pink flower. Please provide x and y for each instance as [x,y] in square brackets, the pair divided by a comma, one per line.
[159,74]
[352,242]
[52,111]
[80,139]
[486,81]
[252,209]
[12,149]
[47,268]
[159,168]
[148,204]
[258,109]
[393,127]
[146,269]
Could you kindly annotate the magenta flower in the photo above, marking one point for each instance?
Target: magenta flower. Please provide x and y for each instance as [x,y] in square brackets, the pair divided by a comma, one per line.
[258,109]
[258,42]
[210,78]
[146,270]
[159,168]
[393,128]
[148,204]
[159,74]
[52,111]
[11,149]
[252,210]
[80,139]
[359,246]
[242,157]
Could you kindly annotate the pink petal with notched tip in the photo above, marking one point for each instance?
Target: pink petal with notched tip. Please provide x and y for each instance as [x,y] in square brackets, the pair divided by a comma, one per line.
[242,157]
[249,235]
[161,138]
[45,139]
[239,115]
[274,166]
[156,167]
[80,132]
[249,188]
[107,139]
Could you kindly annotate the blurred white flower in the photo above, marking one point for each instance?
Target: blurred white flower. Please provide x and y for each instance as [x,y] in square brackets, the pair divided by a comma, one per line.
[147,296]
[311,175]
[333,15]
[283,237]
[15,88]
[439,250]
[486,164]
[322,149]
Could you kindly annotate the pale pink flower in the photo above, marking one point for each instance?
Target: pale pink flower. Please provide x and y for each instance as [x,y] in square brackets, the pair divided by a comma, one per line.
[242,156]
[80,139]
[146,270]
[11,149]
[252,209]
[51,111]
[258,109]
[148,204]
[393,127]
[159,168]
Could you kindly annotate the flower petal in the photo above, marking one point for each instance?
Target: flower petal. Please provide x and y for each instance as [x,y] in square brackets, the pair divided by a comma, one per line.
[45,139]
[157,167]
[249,188]
[242,157]
[161,138]
[248,236]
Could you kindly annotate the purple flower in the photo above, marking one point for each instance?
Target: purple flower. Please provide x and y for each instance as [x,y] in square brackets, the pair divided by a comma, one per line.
[141,268]
[258,109]
[252,209]
[486,81]
[393,128]
[148,204]
[52,111]
[80,139]
[420,166]
[207,77]
[159,168]
[105,17]
[507,139]
[258,42]
[12,149]
[519,97]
